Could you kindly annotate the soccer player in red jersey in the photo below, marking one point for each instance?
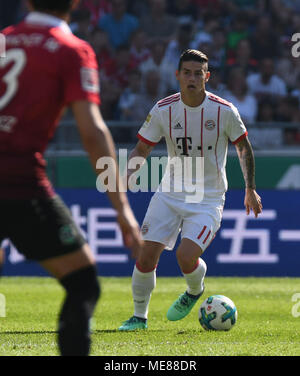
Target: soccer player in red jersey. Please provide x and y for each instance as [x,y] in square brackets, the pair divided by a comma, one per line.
[47,68]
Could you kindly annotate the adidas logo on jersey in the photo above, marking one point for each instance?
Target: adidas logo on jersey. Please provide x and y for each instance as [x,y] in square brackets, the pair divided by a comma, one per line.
[178,126]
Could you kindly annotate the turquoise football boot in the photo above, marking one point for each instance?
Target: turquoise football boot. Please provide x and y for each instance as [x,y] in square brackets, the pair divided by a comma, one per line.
[134,323]
[182,306]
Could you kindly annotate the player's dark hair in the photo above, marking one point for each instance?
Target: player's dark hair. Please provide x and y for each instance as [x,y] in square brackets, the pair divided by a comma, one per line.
[192,55]
[62,6]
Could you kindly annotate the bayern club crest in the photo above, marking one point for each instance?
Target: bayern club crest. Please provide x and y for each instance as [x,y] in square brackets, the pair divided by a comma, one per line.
[210,125]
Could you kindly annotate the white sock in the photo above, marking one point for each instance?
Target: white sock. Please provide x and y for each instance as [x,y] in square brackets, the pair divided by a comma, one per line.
[142,286]
[195,279]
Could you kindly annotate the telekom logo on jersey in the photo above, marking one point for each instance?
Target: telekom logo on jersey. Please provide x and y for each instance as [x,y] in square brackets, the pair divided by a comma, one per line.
[181,175]
[2,46]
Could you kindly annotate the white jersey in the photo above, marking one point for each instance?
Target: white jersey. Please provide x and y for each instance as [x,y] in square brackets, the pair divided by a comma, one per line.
[201,131]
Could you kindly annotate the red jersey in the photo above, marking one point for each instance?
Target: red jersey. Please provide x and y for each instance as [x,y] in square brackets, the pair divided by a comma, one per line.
[45,69]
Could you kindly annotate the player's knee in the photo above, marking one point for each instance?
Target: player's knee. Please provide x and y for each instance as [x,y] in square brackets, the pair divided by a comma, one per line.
[146,265]
[185,260]
[83,289]
[149,256]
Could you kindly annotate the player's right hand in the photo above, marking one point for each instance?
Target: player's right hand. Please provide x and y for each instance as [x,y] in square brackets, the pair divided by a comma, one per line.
[253,202]
[130,230]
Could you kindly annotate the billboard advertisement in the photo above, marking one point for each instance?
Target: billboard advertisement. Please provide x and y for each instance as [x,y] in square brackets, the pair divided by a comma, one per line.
[243,246]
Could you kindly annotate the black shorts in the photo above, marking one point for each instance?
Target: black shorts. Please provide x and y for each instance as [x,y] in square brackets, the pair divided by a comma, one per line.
[40,229]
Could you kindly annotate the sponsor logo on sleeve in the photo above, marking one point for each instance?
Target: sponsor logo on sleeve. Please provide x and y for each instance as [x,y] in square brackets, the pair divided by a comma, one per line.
[147,122]
[90,80]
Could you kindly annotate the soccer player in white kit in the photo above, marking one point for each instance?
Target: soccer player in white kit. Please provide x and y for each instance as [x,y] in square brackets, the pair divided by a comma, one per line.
[194,123]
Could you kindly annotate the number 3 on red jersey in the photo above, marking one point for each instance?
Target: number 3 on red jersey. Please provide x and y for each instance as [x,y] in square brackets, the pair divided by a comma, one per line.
[18,57]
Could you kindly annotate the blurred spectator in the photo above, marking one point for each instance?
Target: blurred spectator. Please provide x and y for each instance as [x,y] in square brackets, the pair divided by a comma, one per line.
[266,111]
[295,24]
[288,67]
[287,110]
[239,31]
[97,8]
[292,136]
[243,58]
[290,4]
[139,47]
[284,20]
[217,58]
[114,79]
[215,85]
[204,35]
[139,8]
[266,83]
[146,100]
[119,25]
[185,10]
[249,7]
[296,91]
[100,43]
[181,43]
[240,97]
[281,19]
[206,48]
[249,35]
[264,41]
[166,68]
[211,7]
[128,99]
[244,4]
[118,68]
[159,24]
[81,24]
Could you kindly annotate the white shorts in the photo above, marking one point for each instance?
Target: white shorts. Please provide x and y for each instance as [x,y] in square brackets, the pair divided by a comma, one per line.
[167,216]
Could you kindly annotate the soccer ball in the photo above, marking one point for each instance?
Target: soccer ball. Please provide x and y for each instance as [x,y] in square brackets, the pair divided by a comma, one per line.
[217,312]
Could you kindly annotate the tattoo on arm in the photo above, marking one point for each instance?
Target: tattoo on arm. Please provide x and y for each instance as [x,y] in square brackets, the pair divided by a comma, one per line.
[141,150]
[246,157]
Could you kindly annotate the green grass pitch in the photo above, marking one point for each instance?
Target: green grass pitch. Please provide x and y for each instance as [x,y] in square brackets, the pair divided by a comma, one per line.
[265,325]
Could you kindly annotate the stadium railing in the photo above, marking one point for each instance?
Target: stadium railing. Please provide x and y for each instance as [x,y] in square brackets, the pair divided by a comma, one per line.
[266,138]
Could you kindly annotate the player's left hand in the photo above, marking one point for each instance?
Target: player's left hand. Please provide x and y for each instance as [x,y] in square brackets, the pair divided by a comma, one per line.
[252,201]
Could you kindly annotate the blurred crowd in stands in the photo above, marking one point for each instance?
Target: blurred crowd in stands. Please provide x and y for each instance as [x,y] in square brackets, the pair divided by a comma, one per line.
[138,44]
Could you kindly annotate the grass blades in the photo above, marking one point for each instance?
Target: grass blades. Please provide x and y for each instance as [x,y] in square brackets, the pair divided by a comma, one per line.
[265,325]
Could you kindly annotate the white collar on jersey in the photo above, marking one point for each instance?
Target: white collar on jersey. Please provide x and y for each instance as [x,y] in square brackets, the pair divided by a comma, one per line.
[198,108]
[43,19]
